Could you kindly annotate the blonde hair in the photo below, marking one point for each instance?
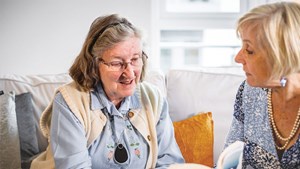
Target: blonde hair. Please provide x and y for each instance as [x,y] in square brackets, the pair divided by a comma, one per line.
[104,33]
[277,28]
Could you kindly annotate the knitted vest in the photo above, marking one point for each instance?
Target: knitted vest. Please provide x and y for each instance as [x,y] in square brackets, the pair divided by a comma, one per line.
[94,120]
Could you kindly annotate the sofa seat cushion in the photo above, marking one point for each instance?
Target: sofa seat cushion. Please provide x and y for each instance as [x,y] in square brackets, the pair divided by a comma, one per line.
[194,137]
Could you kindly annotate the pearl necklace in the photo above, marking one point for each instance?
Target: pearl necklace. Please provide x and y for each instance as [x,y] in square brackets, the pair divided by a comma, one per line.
[278,135]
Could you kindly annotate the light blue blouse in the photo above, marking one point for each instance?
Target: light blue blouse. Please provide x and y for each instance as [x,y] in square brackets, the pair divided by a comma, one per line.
[68,140]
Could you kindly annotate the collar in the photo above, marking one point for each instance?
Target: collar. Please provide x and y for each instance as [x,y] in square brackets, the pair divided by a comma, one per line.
[99,100]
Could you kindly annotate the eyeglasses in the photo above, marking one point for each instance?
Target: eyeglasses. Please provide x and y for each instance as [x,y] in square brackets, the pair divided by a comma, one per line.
[121,66]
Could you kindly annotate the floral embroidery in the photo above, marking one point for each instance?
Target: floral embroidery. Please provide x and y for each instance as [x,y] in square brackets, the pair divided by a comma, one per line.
[110,153]
[137,152]
[110,146]
[135,145]
[129,127]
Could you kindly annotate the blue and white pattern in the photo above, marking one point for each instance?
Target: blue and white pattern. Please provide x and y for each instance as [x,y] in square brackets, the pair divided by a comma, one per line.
[251,125]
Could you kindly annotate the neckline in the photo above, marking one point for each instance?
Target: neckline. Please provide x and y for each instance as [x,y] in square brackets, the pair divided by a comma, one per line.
[274,127]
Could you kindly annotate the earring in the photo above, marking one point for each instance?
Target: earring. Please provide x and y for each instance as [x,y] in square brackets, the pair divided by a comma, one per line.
[283,82]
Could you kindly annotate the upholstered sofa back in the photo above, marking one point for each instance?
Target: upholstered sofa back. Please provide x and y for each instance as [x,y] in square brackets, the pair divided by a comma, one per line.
[187,91]
[42,89]
[205,90]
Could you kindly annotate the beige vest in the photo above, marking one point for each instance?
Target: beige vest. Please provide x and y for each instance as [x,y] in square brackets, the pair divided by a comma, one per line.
[78,100]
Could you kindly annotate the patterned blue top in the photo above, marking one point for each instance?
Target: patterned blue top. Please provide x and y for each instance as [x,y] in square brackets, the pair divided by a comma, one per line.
[251,125]
[69,139]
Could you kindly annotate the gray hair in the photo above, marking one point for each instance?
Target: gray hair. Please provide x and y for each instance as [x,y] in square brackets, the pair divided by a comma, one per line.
[105,32]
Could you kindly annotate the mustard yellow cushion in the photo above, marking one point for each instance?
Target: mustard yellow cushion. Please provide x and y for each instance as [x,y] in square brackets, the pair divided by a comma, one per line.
[195,138]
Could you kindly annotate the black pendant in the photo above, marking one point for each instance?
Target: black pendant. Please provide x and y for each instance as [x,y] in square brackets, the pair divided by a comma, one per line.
[120,155]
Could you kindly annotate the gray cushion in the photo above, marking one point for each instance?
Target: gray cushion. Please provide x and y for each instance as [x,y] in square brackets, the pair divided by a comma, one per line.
[9,144]
[26,127]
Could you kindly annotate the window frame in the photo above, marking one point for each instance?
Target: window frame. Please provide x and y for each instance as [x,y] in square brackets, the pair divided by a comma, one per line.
[170,20]
[163,20]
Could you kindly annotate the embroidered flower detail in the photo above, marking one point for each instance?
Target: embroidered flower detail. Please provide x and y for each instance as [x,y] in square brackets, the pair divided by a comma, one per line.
[110,155]
[129,127]
[134,144]
[110,146]
[137,152]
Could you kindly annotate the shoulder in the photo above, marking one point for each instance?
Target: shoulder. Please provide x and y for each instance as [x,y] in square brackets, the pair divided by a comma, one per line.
[72,91]
[77,99]
[72,86]
[150,95]
[149,89]
[149,92]
[247,98]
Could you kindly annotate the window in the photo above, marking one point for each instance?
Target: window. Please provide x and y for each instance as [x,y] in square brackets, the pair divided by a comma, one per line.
[202,6]
[198,33]
[194,48]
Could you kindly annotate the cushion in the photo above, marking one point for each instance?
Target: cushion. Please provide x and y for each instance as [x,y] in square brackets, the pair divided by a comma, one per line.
[195,138]
[205,90]
[41,87]
[9,144]
[26,127]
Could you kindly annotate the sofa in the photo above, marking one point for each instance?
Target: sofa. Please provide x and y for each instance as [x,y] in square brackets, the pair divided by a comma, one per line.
[200,105]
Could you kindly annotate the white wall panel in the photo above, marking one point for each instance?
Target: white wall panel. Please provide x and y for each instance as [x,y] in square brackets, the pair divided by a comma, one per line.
[44,36]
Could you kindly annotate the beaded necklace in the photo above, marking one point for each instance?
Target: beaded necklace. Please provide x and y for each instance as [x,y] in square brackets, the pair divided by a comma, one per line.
[273,125]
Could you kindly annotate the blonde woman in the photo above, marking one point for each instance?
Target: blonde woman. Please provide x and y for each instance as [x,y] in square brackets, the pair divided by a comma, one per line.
[267,107]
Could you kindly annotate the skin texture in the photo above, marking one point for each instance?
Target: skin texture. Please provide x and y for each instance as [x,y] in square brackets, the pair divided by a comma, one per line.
[253,60]
[120,84]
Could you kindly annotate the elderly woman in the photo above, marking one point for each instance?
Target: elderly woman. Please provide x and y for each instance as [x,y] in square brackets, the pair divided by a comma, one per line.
[107,117]
[266,111]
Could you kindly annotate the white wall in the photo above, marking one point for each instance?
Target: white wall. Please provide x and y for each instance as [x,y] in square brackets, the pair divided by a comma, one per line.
[44,36]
